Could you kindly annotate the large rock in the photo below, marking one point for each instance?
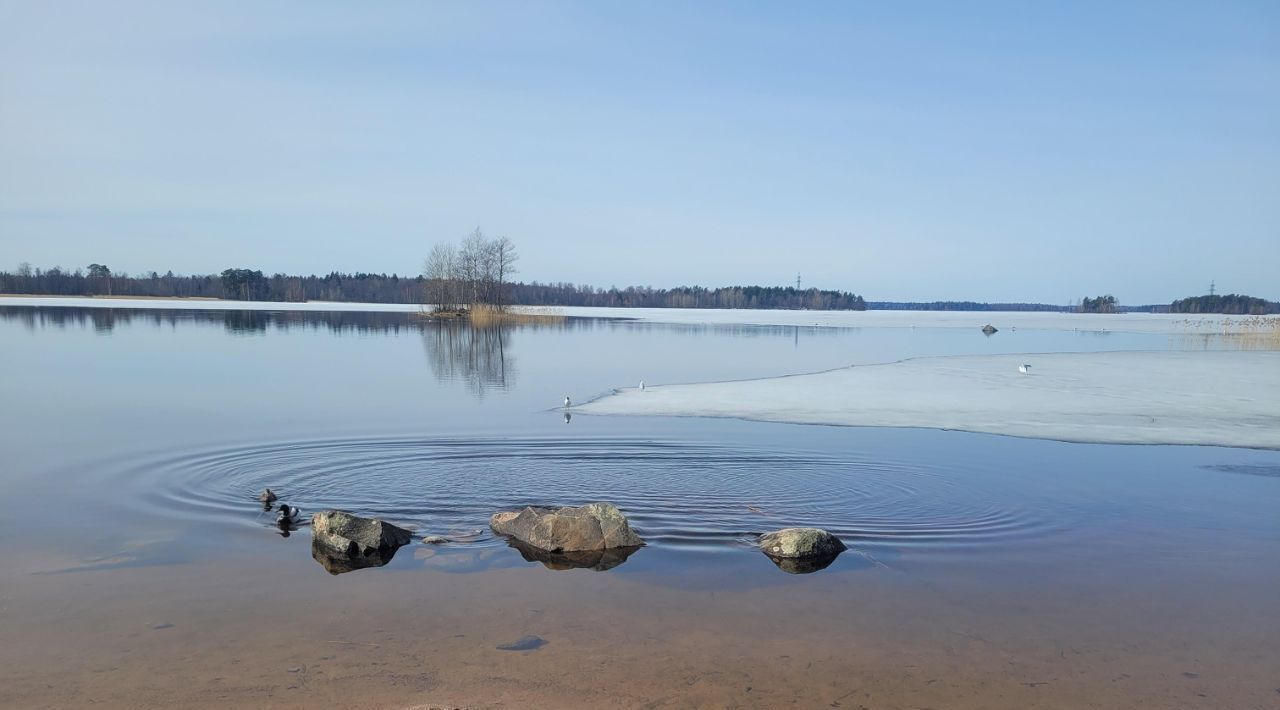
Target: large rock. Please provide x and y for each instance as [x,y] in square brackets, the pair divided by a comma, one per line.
[343,542]
[595,526]
[801,550]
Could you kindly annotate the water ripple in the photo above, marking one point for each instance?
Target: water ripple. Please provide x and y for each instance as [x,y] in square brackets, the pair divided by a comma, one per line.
[676,493]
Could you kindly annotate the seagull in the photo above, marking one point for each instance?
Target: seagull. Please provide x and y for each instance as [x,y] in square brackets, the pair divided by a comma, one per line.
[641,385]
[1024,369]
[567,402]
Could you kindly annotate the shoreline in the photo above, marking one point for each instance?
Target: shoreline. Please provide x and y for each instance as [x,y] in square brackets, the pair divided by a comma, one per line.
[1007,322]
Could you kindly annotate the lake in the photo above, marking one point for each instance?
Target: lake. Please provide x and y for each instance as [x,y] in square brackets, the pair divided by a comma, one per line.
[982,571]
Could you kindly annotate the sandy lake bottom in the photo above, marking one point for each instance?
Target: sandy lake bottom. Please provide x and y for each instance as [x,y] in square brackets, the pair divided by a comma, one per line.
[984,571]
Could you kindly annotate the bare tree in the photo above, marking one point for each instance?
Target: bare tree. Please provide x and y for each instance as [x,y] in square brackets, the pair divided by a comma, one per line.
[471,263]
[504,261]
[441,274]
[474,273]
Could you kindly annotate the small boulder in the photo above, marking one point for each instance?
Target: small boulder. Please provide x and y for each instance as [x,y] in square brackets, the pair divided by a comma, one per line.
[343,542]
[435,539]
[990,329]
[595,526]
[800,543]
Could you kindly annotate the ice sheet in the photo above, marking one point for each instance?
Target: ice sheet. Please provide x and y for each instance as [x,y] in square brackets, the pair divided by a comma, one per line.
[1212,398]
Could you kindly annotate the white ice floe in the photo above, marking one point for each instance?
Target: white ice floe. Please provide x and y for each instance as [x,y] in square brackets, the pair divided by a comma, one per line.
[1211,398]
[1011,321]
[1173,323]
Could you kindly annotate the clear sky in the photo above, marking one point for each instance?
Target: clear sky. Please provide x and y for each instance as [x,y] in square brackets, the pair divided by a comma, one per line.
[906,151]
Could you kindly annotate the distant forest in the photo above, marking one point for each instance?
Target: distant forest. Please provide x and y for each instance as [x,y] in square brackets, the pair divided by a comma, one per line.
[1232,304]
[963,306]
[247,284]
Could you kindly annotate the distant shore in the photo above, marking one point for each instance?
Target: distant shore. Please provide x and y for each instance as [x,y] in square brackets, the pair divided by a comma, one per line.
[1007,322]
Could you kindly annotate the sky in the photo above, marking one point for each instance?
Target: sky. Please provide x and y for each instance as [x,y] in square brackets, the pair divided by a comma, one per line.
[1006,151]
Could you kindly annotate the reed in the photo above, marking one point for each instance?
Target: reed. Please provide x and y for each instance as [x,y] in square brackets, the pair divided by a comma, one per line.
[485,316]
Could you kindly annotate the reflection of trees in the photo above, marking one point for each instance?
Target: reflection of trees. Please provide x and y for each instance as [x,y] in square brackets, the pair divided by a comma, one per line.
[239,322]
[476,357]
[247,322]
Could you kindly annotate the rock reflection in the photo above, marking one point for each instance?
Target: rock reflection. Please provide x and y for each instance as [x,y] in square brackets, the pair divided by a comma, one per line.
[803,565]
[336,563]
[598,560]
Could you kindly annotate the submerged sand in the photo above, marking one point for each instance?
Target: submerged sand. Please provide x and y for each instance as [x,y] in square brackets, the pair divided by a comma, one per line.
[242,633]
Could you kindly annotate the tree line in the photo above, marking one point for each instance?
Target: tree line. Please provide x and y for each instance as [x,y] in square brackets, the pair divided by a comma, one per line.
[233,284]
[963,306]
[1101,304]
[1231,304]
[780,297]
[477,271]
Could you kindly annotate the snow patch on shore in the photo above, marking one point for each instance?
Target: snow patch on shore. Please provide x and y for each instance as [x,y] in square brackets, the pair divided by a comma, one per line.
[1209,398]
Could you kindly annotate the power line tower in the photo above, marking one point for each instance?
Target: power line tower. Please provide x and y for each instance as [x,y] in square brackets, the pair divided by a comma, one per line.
[797,280]
[1211,288]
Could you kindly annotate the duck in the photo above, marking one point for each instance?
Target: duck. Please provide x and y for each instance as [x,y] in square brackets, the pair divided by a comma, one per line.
[288,514]
[268,497]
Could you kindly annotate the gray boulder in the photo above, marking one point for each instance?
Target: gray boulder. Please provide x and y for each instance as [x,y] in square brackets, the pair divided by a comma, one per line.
[990,329]
[792,543]
[343,542]
[595,526]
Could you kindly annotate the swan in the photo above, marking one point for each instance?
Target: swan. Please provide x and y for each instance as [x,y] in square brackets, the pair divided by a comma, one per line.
[1024,369]
[641,385]
[567,402]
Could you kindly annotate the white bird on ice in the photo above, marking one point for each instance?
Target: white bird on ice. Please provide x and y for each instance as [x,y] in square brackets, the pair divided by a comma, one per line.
[641,385]
[567,403]
[1024,369]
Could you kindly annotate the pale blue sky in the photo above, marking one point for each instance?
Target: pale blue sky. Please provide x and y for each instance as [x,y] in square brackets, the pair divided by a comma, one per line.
[989,151]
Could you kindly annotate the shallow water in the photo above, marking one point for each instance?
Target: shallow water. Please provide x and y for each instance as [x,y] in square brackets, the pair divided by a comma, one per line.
[1010,572]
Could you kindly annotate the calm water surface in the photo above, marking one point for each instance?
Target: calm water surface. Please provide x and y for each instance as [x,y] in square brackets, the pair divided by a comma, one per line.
[136,441]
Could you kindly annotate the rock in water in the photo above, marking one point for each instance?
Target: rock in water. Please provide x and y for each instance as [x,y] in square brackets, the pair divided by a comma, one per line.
[595,526]
[801,550]
[989,329]
[524,643]
[343,542]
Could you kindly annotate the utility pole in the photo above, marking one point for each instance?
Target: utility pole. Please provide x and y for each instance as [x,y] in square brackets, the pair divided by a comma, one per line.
[797,280]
